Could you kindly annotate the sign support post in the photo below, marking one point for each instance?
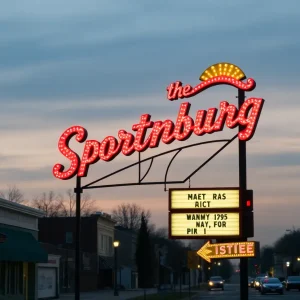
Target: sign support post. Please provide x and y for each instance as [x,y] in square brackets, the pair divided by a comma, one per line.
[78,191]
[243,187]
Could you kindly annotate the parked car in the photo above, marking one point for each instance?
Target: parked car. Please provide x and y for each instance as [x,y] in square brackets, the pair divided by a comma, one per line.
[216,282]
[271,285]
[292,282]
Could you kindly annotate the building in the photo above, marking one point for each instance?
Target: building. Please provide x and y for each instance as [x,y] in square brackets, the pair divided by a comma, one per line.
[19,251]
[97,236]
[286,265]
[127,270]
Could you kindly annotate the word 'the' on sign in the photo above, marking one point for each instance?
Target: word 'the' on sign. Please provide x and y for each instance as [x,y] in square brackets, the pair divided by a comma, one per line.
[228,250]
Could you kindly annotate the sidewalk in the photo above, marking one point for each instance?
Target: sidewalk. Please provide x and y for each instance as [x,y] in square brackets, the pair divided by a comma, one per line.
[109,294]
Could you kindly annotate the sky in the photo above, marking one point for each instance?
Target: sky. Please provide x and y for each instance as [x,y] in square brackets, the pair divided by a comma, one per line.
[102,64]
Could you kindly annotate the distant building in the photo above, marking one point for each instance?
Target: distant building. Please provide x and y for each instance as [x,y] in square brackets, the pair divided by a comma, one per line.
[97,236]
[127,270]
[19,251]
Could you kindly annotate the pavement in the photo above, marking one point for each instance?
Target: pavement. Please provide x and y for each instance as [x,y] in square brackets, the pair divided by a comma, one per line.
[109,294]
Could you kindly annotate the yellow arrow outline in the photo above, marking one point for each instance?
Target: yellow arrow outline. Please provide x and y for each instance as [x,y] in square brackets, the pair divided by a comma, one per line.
[204,251]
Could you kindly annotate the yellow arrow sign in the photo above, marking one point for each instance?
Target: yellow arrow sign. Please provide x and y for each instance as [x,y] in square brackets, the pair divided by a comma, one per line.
[228,250]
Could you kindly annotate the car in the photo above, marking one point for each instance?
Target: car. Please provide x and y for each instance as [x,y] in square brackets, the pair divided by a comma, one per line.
[271,285]
[261,281]
[216,282]
[250,282]
[292,282]
[257,282]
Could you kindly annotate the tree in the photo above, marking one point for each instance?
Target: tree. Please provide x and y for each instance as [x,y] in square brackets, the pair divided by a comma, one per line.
[13,194]
[173,251]
[289,244]
[54,205]
[161,233]
[267,259]
[129,215]
[254,266]
[222,268]
[144,255]
[49,203]
[68,206]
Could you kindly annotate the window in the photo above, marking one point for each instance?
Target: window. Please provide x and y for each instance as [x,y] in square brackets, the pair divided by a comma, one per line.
[2,277]
[106,244]
[102,242]
[11,278]
[110,245]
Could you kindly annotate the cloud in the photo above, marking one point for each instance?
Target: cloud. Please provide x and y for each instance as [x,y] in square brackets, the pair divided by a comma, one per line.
[99,67]
[102,65]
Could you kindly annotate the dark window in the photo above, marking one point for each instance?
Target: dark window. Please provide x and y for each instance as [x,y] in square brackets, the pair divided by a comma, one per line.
[13,281]
[20,278]
[294,278]
[110,243]
[2,277]
[11,278]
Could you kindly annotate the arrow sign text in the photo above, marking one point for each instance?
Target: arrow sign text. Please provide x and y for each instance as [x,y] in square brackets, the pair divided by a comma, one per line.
[228,250]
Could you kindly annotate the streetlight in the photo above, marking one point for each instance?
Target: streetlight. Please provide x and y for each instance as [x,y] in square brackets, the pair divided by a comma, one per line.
[116,245]
[218,268]
[287,268]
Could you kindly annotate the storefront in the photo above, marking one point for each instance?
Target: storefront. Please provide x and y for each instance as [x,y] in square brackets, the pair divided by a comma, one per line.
[19,251]
[48,278]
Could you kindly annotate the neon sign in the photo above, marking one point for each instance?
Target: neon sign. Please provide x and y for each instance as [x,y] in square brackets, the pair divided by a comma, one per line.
[205,122]
[228,250]
[222,73]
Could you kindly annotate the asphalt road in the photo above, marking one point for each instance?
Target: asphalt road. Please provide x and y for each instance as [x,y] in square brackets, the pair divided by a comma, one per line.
[232,292]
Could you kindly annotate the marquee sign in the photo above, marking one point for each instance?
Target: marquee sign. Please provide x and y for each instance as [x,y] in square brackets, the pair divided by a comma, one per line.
[202,224]
[213,198]
[149,134]
[228,250]
[210,213]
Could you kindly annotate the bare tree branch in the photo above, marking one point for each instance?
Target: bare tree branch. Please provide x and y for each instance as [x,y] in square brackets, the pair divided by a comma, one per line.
[13,194]
[67,207]
[50,203]
[129,215]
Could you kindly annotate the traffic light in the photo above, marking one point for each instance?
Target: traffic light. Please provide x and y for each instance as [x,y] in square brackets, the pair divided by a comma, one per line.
[247,214]
[248,200]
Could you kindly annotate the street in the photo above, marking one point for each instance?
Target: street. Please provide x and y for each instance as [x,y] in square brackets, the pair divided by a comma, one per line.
[232,291]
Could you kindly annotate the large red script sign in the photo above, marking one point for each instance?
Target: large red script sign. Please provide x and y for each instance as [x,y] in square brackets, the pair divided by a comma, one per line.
[148,134]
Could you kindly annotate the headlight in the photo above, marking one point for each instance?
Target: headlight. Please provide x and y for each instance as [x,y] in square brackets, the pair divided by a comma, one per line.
[221,281]
[257,283]
[211,283]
